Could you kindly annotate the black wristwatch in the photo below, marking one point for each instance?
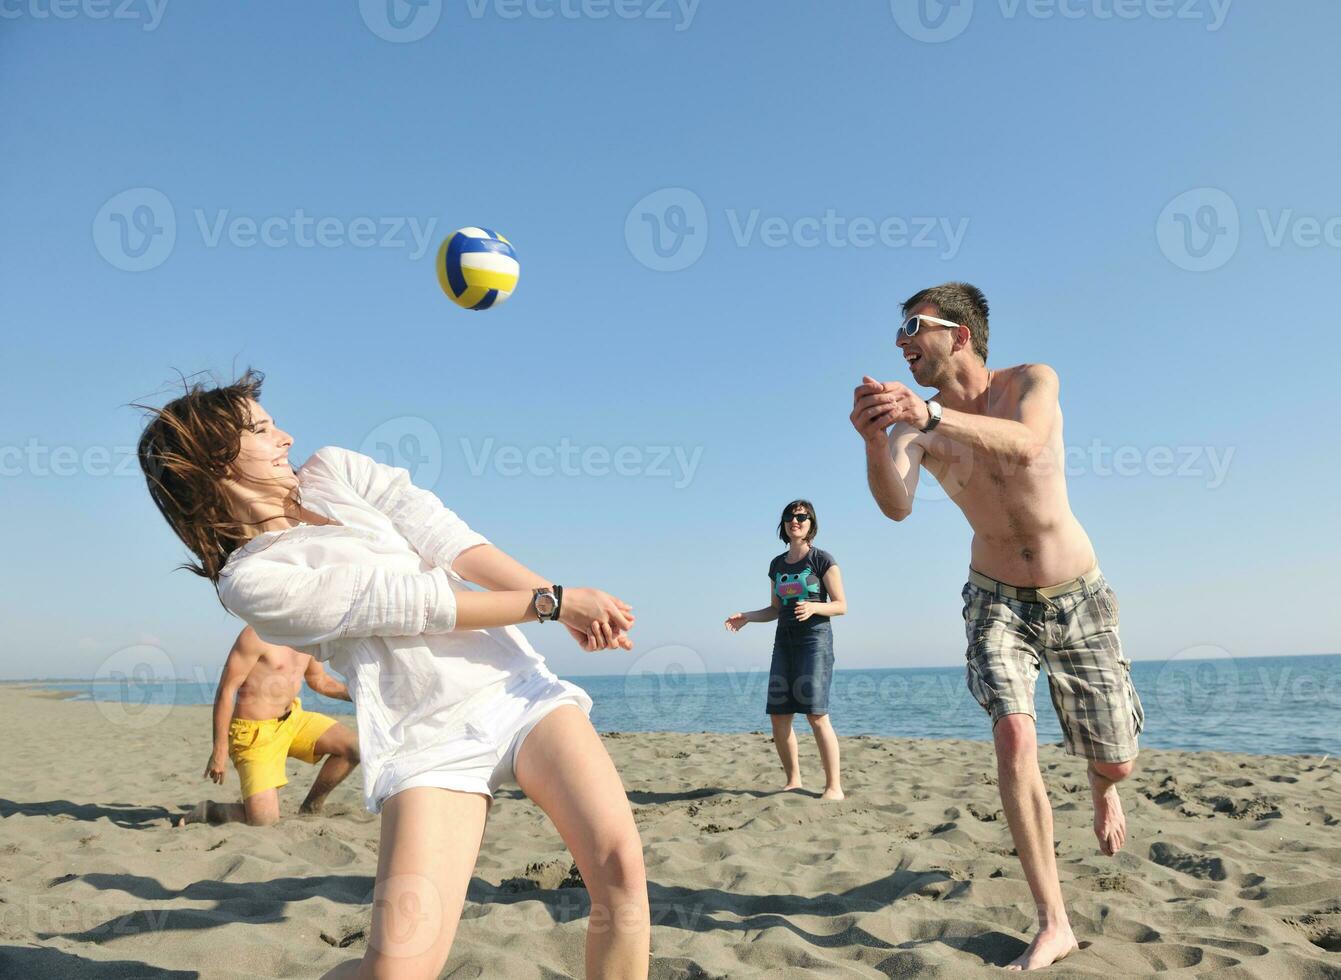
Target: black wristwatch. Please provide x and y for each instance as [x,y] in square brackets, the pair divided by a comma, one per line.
[546,602]
[933,415]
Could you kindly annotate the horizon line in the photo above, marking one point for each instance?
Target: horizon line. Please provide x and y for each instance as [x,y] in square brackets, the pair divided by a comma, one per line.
[713,673]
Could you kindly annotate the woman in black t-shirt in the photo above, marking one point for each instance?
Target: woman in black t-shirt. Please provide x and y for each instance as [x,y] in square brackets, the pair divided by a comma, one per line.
[805,590]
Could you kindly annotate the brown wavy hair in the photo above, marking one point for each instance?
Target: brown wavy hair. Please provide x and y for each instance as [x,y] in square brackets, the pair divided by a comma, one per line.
[187,447]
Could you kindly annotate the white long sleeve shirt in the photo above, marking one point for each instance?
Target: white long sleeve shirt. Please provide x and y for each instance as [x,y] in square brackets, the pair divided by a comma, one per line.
[374,596]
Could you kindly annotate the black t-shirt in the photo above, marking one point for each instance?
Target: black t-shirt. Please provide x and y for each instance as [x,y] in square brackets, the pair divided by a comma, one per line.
[800,581]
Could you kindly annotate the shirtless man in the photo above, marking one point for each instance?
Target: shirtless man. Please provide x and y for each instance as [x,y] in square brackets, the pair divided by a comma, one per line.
[993,440]
[267,726]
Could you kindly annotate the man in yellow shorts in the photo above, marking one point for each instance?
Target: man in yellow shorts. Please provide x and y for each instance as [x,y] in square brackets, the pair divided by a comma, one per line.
[259,723]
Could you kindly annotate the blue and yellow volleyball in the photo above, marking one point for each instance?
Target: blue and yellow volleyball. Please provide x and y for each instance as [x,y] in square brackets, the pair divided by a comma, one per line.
[477,268]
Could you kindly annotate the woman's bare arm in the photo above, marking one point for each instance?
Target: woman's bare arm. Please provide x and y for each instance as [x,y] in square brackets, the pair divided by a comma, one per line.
[769,613]
[490,567]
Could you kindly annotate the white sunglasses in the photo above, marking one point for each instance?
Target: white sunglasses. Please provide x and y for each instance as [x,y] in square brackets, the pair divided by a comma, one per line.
[910,326]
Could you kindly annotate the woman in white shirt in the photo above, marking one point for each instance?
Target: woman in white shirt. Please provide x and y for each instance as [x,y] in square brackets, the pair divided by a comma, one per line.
[347,560]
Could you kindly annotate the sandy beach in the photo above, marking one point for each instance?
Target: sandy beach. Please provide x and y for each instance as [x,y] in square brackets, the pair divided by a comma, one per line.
[1232,866]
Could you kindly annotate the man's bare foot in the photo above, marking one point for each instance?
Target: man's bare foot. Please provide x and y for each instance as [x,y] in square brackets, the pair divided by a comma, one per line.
[835,793]
[1110,823]
[1049,946]
[792,784]
[200,813]
[311,807]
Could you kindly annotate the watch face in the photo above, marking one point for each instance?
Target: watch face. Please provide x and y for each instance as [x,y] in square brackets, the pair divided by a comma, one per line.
[544,604]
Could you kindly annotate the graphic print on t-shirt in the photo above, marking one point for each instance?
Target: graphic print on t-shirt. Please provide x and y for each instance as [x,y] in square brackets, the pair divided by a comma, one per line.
[797,587]
[801,581]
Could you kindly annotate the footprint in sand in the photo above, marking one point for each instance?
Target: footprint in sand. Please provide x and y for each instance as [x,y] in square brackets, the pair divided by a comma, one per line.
[324,851]
[1196,865]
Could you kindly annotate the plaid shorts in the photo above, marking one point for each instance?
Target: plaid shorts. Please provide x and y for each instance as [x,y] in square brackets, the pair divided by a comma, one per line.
[1076,635]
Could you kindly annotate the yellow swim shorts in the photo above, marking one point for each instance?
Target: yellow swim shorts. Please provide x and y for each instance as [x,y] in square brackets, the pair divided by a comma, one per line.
[259,748]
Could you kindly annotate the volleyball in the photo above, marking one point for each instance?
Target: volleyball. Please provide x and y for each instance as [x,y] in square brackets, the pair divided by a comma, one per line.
[477,268]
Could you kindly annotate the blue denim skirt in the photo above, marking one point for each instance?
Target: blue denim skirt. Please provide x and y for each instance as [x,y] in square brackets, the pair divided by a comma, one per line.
[802,671]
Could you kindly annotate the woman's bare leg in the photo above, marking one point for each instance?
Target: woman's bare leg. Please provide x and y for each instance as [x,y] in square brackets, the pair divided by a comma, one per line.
[827,740]
[430,840]
[564,769]
[784,739]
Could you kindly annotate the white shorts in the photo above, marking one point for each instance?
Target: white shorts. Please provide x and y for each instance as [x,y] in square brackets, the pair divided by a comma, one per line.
[493,735]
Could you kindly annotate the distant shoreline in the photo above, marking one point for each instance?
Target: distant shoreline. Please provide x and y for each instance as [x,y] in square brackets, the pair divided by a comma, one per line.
[19,681]
[1269,706]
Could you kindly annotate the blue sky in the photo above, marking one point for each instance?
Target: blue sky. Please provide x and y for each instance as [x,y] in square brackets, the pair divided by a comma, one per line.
[1145,191]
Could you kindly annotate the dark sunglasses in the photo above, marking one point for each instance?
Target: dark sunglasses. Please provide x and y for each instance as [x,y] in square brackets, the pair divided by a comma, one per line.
[799,518]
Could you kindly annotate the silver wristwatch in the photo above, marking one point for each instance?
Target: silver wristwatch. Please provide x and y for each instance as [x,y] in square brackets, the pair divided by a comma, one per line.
[933,415]
[545,602]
